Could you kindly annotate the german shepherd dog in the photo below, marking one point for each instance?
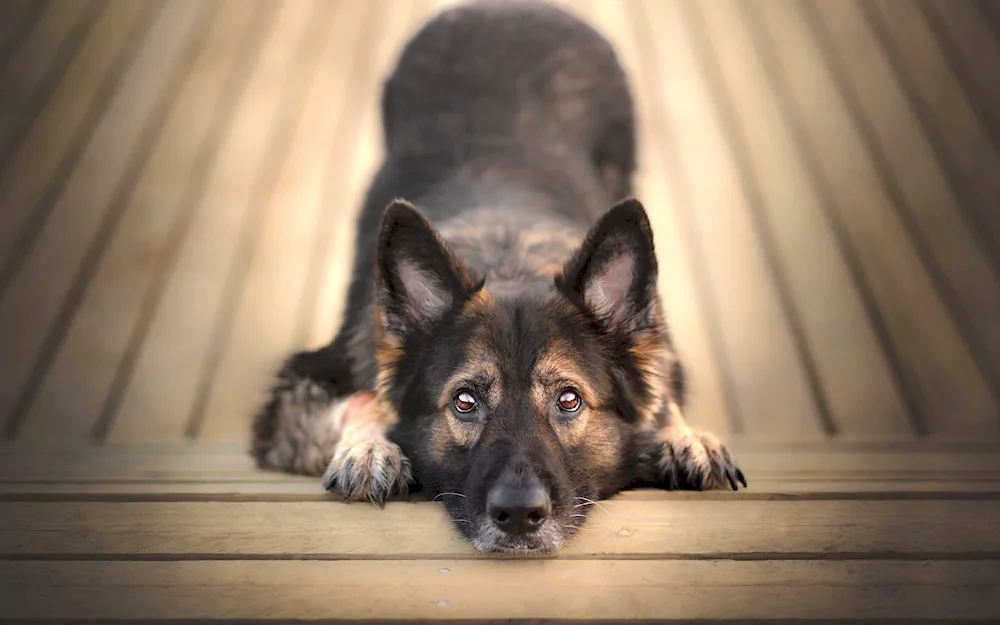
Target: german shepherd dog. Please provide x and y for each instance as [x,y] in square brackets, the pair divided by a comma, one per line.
[504,346]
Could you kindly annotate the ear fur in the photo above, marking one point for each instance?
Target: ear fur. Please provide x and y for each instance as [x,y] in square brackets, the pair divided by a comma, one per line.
[613,273]
[418,280]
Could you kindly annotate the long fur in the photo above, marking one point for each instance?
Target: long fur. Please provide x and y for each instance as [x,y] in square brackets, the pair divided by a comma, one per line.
[488,263]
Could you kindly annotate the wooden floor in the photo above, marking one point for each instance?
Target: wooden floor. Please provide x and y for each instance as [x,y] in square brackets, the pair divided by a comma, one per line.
[178,183]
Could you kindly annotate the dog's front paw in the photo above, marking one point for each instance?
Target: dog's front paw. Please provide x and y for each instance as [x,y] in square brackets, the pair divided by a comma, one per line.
[374,470]
[696,460]
[366,464]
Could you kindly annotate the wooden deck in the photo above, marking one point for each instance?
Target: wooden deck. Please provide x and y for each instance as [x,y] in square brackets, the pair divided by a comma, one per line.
[178,182]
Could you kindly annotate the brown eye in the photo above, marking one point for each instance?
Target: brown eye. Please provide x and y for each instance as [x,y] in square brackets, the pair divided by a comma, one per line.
[569,401]
[465,402]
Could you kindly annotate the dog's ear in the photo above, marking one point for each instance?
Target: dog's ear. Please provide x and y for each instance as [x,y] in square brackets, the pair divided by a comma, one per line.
[613,273]
[417,279]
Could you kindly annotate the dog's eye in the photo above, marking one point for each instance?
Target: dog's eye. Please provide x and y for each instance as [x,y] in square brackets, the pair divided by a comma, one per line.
[569,400]
[465,402]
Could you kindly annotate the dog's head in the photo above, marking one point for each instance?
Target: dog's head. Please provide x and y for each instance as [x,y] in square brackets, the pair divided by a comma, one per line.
[518,410]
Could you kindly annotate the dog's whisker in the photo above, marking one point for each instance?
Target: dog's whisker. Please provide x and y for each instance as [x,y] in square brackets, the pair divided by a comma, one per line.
[591,502]
[443,494]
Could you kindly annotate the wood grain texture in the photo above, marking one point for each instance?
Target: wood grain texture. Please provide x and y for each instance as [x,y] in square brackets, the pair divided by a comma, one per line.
[170,462]
[161,389]
[685,299]
[650,527]
[445,589]
[926,192]
[921,65]
[952,394]
[73,396]
[35,68]
[362,151]
[766,487]
[753,320]
[275,265]
[61,131]
[855,375]
[41,297]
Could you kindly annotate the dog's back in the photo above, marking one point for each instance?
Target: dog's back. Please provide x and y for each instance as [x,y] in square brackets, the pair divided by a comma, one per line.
[510,124]
[516,88]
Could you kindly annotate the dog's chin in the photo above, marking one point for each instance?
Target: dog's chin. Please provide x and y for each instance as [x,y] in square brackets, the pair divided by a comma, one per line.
[487,538]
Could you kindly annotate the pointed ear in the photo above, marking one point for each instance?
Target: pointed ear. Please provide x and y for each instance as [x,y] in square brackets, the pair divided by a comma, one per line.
[613,273]
[417,279]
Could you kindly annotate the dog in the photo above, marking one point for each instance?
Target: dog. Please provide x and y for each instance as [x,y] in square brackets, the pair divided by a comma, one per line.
[504,347]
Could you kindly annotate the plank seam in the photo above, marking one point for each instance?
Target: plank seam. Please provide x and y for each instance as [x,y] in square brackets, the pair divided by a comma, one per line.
[308,306]
[66,53]
[290,111]
[356,284]
[39,214]
[747,556]
[224,497]
[891,185]
[659,138]
[206,159]
[792,120]
[982,108]
[22,32]
[153,128]
[708,64]
[990,14]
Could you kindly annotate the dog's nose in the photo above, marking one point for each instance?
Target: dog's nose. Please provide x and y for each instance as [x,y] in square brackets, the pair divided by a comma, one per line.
[518,510]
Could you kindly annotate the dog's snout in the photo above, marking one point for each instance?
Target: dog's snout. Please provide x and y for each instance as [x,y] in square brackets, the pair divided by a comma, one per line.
[518,510]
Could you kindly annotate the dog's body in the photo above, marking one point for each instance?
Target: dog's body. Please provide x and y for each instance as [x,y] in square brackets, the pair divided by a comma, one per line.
[505,345]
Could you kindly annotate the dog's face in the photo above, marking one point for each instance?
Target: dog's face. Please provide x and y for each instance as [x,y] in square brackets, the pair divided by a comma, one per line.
[518,411]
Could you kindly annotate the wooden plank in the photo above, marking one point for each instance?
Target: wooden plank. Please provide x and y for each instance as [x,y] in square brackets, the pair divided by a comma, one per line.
[157,393]
[851,363]
[766,487]
[760,345]
[208,462]
[35,68]
[53,276]
[357,163]
[945,107]
[924,189]
[683,290]
[955,399]
[63,128]
[71,399]
[650,527]
[17,20]
[260,334]
[967,43]
[443,590]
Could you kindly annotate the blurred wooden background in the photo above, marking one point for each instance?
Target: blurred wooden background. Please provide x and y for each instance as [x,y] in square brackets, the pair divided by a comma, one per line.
[178,184]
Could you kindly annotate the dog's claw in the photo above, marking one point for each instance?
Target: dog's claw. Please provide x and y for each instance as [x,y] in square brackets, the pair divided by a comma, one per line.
[375,471]
[699,461]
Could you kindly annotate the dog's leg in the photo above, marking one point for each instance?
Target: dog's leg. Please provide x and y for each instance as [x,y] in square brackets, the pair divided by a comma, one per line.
[365,463]
[315,423]
[294,431]
[688,459]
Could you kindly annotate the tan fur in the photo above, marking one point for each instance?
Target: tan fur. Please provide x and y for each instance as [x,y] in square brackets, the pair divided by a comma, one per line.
[365,464]
[479,364]
[503,250]
[653,360]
